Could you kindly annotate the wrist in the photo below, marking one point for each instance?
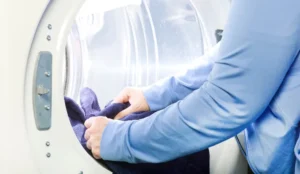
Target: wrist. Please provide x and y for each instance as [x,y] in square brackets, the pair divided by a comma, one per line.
[115,131]
[151,99]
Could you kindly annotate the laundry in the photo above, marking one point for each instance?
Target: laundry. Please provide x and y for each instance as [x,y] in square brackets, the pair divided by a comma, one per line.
[197,163]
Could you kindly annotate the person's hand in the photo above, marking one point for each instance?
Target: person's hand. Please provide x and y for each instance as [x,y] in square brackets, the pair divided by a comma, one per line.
[136,99]
[95,127]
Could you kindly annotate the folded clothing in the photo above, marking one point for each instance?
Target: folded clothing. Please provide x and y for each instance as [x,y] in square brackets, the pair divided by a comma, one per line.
[197,163]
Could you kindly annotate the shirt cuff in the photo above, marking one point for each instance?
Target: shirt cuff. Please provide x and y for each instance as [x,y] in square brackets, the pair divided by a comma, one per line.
[110,147]
[149,94]
[158,95]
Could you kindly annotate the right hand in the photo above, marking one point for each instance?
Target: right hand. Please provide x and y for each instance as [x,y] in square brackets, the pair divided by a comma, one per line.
[136,99]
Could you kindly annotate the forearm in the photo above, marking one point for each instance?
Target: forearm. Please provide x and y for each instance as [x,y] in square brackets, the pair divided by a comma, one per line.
[175,88]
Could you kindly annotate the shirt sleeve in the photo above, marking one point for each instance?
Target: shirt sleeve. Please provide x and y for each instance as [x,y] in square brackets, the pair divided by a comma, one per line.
[260,43]
[297,154]
[174,88]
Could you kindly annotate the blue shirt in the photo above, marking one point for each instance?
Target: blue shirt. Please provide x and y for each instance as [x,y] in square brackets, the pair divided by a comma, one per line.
[253,85]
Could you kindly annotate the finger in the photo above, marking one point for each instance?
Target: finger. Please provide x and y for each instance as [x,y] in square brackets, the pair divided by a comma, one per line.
[123,113]
[89,144]
[87,134]
[96,152]
[88,123]
[123,97]
[95,148]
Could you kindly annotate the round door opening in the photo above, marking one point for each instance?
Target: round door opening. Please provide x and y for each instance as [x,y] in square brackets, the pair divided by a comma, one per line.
[135,45]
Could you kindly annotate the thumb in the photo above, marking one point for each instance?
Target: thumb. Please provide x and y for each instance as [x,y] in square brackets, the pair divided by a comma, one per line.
[125,112]
[123,97]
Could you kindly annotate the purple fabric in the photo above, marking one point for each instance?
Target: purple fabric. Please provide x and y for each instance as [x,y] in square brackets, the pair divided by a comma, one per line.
[197,163]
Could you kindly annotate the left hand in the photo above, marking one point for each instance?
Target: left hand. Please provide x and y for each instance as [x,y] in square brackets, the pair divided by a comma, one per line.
[95,127]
